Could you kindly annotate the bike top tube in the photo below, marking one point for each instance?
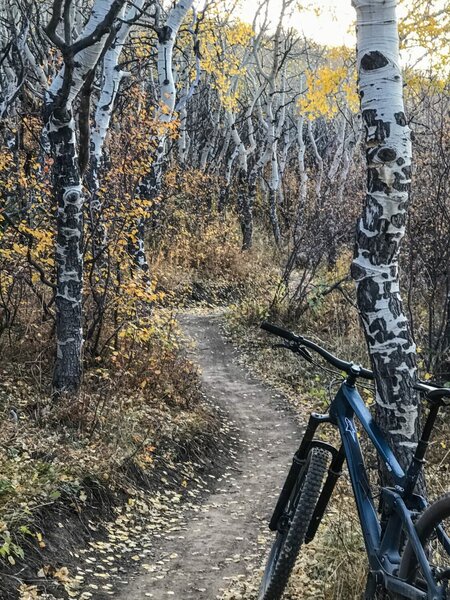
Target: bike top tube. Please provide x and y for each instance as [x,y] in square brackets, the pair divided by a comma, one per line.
[432,392]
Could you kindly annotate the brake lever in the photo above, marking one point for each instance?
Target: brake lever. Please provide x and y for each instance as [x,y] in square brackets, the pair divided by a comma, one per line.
[297,349]
[285,346]
[305,353]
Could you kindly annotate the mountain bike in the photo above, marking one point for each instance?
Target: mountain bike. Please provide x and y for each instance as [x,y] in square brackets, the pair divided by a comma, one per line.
[407,546]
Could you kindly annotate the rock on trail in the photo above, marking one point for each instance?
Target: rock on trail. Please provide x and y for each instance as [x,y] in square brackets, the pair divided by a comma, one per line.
[226,536]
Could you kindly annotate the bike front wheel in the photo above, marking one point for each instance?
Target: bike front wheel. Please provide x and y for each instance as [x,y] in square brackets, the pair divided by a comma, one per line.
[293,525]
[433,529]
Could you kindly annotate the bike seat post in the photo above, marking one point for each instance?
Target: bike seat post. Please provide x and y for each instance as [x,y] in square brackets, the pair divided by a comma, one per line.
[355,371]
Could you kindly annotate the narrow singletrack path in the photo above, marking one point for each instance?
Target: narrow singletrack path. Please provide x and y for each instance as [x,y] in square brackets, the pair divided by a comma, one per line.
[222,539]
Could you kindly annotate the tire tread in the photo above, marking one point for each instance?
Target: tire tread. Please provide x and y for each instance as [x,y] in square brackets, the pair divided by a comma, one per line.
[299,526]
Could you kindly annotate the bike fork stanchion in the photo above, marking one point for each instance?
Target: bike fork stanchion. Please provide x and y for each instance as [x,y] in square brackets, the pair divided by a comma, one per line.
[314,421]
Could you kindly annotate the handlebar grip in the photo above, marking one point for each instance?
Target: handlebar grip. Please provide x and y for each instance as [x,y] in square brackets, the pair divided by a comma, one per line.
[284,333]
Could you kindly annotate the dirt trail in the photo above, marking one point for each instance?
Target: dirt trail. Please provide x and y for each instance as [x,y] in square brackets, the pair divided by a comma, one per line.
[222,539]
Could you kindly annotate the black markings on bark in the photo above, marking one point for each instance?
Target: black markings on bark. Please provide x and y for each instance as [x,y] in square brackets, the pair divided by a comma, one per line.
[387,154]
[164,34]
[370,117]
[396,308]
[373,60]
[401,183]
[357,272]
[399,220]
[383,250]
[371,217]
[374,183]
[369,294]
[379,331]
[383,129]
[400,119]
[407,172]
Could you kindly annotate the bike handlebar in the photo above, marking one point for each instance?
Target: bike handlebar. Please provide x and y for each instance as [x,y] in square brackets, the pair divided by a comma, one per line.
[343,365]
[340,364]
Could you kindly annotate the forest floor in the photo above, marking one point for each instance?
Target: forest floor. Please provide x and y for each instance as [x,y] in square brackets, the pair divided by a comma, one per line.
[218,547]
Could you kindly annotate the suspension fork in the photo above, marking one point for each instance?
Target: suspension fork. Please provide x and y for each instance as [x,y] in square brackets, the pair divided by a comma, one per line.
[298,463]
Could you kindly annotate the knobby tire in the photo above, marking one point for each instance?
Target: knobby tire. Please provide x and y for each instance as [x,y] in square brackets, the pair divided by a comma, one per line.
[290,537]
[436,514]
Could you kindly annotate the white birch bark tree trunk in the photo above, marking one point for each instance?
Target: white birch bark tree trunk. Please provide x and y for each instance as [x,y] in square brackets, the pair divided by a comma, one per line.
[225,189]
[244,203]
[80,58]
[274,134]
[319,161]
[167,35]
[303,182]
[111,79]
[150,184]
[375,267]
[211,141]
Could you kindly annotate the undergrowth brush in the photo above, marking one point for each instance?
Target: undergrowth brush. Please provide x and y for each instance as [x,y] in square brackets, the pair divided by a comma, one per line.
[139,405]
[201,260]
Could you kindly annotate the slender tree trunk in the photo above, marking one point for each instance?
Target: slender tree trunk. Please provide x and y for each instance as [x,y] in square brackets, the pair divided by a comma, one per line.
[274,216]
[111,78]
[303,183]
[167,35]
[69,252]
[80,59]
[225,189]
[319,162]
[244,200]
[183,140]
[211,141]
[381,229]
[150,184]
[245,209]
[274,180]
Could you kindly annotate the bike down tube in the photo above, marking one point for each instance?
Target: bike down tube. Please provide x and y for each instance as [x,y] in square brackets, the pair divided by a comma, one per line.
[342,412]
[375,434]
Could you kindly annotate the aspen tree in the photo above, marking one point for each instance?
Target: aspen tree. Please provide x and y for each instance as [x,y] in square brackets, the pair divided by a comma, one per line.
[381,228]
[80,59]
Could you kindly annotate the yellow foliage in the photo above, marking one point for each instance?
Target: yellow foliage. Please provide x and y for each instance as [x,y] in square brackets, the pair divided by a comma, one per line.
[328,89]
[223,50]
[425,30]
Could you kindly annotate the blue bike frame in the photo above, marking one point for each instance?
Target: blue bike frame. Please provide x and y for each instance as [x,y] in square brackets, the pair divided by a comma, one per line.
[399,502]
[383,552]
[383,539]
